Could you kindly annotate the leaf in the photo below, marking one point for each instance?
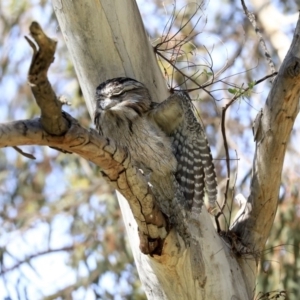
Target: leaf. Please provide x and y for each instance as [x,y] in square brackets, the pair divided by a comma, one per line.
[232,91]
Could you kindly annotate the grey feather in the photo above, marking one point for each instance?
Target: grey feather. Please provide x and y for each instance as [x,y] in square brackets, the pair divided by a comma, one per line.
[165,140]
[195,171]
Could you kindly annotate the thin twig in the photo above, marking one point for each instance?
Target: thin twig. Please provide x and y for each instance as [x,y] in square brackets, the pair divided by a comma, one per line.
[223,130]
[251,18]
[28,155]
[30,257]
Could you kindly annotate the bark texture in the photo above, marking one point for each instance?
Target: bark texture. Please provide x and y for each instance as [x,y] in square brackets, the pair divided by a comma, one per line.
[274,128]
[251,229]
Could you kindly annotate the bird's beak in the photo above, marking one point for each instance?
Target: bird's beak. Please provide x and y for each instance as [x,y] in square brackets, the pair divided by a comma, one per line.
[108,103]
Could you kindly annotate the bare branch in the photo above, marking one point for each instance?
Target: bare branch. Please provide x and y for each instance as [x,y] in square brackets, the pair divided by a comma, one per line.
[30,257]
[82,281]
[223,130]
[28,155]
[51,114]
[272,134]
[263,45]
[114,163]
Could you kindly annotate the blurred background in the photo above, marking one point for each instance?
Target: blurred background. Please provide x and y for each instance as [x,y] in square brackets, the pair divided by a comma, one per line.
[61,230]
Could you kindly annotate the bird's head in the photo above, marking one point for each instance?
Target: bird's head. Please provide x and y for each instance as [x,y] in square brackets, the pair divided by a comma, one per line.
[122,92]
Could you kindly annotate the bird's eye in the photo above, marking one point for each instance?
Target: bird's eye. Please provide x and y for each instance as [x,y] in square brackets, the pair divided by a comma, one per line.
[120,93]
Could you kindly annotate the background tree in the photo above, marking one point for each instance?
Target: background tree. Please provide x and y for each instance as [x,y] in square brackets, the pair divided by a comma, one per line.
[19,214]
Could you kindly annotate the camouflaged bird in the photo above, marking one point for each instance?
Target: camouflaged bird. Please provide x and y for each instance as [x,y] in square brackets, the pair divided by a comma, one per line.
[164,140]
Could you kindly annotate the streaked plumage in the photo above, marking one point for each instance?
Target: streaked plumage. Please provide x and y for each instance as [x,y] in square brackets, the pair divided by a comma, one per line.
[163,139]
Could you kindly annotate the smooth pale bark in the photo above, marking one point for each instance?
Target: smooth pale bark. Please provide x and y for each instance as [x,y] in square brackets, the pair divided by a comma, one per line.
[107,39]
[273,133]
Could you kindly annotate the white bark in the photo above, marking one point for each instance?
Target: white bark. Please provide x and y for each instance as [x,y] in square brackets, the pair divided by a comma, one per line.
[107,39]
[169,276]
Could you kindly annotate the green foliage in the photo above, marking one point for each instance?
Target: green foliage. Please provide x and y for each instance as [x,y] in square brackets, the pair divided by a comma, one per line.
[241,91]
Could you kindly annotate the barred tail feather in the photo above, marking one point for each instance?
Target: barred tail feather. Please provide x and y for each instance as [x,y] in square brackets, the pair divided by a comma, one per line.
[209,171]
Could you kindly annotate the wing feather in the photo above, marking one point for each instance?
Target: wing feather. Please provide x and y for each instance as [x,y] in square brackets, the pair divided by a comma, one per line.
[195,170]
